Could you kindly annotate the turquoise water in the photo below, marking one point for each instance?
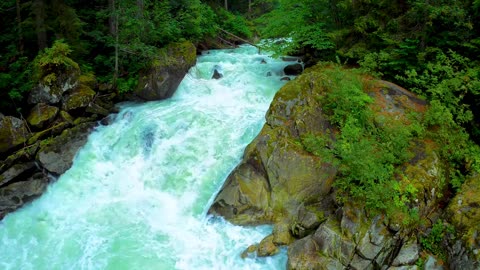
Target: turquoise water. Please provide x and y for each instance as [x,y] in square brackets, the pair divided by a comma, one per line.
[138,192]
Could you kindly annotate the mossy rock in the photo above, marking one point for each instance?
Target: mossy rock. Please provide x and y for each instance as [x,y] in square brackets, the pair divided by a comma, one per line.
[78,98]
[464,212]
[161,79]
[42,114]
[13,132]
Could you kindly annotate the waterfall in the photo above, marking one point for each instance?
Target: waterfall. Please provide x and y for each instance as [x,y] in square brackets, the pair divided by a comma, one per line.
[137,194]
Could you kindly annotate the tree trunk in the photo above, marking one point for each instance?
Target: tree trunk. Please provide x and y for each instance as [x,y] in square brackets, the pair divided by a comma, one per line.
[226,4]
[250,6]
[20,30]
[112,17]
[141,7]
[39,11]
[113,23]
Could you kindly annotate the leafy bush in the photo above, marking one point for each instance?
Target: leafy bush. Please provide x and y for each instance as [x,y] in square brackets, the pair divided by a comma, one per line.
[53,61]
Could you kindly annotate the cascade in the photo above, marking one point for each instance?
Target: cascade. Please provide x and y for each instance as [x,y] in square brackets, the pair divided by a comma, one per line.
[137,194]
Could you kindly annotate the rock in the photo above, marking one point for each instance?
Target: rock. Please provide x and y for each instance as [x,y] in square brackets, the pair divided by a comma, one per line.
[13,132]
[281,234]
[269,74]
[409,253]
[14,171]
[464,214]
[432,264]
[42,114]
[332,244]
[216,74]
[162,78]
[23,155]
[80,97]
[293,69]
[285,78]
[305,254]
[263,61]
[66,117]
[17,194]
[305,222]
[291,59]
[267,247]
[359,263]
[405,267]
[52,131]
[108,119]
[249,251]
[52,92]
[94,108]
[375,240]
[57,155]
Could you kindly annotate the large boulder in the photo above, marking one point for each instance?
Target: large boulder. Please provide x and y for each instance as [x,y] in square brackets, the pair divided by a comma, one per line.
[162,78]
[51,91]
[15,195]
[13,132]
[80,97]
[42,114]
[282,181]
[57,155]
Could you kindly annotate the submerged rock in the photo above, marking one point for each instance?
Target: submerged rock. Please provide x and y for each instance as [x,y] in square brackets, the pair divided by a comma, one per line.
[216,74]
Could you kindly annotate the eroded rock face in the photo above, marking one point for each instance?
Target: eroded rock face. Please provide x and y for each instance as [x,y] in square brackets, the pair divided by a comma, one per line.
[464,212]
[165,74]
[13,132]
[57,156]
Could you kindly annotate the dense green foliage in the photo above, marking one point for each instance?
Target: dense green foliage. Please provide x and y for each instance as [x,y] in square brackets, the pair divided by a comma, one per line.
[113,39]
[371,146]
[429,47]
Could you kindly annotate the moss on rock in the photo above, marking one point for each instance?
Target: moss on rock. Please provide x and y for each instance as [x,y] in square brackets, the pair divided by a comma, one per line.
[42,114]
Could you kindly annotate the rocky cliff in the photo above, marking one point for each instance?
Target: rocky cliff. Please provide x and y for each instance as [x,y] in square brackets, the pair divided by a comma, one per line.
[298,187]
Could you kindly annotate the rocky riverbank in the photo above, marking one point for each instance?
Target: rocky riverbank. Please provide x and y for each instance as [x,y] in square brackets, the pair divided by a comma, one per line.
[65,106]
[281,181]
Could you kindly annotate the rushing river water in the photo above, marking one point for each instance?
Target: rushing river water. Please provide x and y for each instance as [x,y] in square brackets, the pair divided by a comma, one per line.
[138,192]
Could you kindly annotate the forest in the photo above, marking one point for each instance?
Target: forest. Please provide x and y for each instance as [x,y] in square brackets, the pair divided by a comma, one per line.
[431,48]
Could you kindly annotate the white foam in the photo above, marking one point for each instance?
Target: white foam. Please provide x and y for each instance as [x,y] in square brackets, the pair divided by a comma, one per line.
[137,194]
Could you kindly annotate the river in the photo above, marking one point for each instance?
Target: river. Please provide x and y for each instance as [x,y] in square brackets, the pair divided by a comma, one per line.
[137,194]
